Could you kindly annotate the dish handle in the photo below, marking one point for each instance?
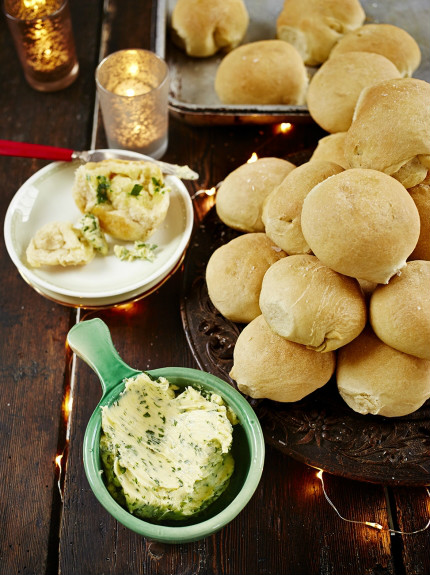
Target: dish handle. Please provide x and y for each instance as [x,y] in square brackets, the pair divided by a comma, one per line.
[91,341]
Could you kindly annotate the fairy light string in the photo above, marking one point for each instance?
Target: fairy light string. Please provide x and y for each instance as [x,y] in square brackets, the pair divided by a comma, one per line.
[371,524]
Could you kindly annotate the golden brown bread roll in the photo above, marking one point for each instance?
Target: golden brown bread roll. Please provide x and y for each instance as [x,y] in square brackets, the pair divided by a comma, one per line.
[267,365]
[399,110]
[330,149]
[373,377]
[421,196]
[283,207]
[361,223]
[385,39]
[334,89]
[203,27]
[400,310]
[234,274]
[309,303]
[314,28]
[265,72]
[129,198]
[240,198]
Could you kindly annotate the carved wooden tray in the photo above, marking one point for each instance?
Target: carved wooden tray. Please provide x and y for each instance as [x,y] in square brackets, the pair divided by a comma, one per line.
[320,430]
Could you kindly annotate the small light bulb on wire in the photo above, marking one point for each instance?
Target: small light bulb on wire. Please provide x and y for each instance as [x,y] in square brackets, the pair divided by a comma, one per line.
[372,524]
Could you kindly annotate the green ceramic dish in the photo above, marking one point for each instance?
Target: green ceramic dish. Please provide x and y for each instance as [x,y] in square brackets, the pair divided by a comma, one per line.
[92,342]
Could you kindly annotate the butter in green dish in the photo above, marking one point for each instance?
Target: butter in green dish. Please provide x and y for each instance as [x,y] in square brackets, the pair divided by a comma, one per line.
[166,455]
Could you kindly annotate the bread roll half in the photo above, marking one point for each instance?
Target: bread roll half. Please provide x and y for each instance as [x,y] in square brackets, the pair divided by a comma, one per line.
[374,378]
[268,366]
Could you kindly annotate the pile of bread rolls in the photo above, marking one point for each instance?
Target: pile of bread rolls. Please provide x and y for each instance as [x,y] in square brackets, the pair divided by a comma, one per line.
[323,54]
[332,271]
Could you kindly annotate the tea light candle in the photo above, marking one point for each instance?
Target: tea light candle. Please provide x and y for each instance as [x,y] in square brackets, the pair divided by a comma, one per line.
[43,36]
[133,90]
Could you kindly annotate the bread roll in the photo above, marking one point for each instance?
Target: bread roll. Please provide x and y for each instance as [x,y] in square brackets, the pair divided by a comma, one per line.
[385,39]
[361,223]
[234,274]
[283,207]
[59,244]
[309,303]
[266,365]
[330,149]
[400,311]
[129,198]
[264,72]
[421,196]
[399,109]
[204,28]
[375,378]
[240,198]
[315,28]
[334,89]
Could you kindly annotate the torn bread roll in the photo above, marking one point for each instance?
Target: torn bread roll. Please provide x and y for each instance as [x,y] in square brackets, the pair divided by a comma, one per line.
[316,27]
[266,365]
[204,28]
[400,310]
[385,39]
[399,111]
[361,223]
[336,86]
[374,378]
[283,207]
[234,274]
[240,198]
[267,72]
[309,303]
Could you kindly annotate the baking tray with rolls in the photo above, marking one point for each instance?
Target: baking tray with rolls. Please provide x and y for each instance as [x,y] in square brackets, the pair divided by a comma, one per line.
[192,95]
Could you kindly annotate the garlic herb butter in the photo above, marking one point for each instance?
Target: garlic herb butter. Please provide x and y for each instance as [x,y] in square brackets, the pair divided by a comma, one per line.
[166,455]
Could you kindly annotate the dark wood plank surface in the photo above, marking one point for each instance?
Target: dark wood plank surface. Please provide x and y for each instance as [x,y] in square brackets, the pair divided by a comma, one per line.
[52,523]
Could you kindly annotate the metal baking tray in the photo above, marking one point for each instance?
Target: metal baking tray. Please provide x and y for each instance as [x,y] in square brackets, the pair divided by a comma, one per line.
[192,96]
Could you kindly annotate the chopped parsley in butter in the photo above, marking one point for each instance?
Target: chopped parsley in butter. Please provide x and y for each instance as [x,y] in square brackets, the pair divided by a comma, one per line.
[90,227]
[140,251]
[166,455]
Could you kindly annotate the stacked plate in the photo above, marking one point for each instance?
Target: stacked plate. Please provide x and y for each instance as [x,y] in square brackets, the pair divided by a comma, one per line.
[47,197]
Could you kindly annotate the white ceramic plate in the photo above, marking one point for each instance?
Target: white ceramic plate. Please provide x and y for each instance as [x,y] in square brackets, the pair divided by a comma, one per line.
[47,197]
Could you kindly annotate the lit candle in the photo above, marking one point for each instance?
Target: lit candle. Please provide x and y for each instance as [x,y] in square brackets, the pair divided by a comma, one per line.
[133,88]
[43,37]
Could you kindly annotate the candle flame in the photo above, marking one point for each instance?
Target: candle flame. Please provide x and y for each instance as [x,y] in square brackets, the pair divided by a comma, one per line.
[130,92]
[285,127]
[133,69]
[253,158]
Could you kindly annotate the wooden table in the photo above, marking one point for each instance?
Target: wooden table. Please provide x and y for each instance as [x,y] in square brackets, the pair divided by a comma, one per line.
[50,520]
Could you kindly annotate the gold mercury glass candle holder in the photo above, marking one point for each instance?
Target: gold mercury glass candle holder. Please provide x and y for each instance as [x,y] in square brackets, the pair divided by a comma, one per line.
[43,37]
[133,89]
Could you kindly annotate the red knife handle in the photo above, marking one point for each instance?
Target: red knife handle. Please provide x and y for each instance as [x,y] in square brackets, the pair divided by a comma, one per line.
[24,150]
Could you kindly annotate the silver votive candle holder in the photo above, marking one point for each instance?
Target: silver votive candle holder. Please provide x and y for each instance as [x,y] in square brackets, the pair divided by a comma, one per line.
[133,89]
[43,38]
